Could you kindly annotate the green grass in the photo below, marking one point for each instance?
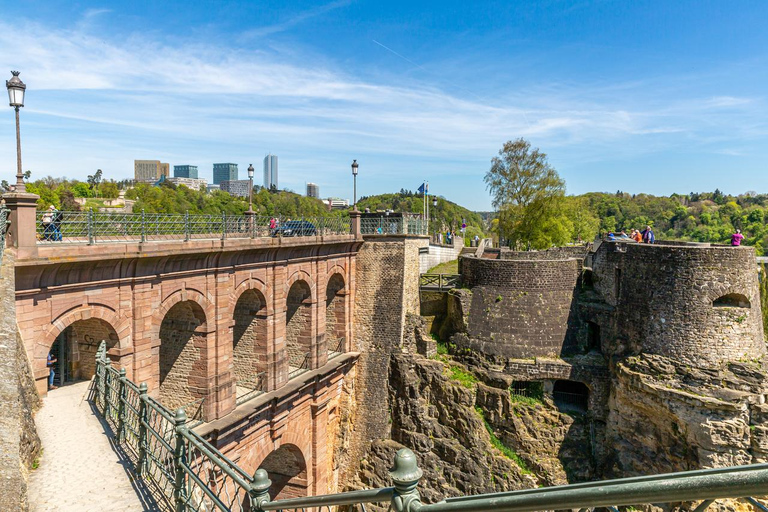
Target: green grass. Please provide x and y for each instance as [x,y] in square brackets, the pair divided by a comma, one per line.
[462,376]
[525,400]
[504,449]
[449,267]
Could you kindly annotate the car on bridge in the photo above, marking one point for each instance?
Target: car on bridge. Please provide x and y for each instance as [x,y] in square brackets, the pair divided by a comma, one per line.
[295,228]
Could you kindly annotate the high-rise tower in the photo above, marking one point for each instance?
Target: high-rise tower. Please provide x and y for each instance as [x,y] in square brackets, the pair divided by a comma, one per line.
[270,171]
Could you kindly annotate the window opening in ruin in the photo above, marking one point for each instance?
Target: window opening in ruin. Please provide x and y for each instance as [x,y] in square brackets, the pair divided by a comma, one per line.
[593,336]
[288,471]
[249,350]
[527,389]
[335,316]
[587,278]
[570,395]
[617,284]
[298,328]
[183,338]
[732,300]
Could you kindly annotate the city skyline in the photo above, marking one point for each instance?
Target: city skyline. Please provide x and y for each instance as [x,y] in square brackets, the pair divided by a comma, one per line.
[655,98]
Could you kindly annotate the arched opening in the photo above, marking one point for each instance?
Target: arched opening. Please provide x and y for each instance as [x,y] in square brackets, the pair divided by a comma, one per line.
[298,328]
[570,395]
[249,336]
[288,471]
[335,316]
[593,336]
[75,349]
[732,300]
[183,334]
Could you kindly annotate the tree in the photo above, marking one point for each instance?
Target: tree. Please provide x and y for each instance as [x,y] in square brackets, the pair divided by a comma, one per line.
[94,179]
[525,190]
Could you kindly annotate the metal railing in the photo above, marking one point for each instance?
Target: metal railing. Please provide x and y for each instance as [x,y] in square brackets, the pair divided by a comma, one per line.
[4,221]
[257,385]
[192,475]
[338,350]
[302,367]
[103,227]
[439,282]
[386,225]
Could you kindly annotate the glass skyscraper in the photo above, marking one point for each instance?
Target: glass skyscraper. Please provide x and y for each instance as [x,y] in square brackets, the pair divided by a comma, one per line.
[185,171]
[224,172]
[270,171]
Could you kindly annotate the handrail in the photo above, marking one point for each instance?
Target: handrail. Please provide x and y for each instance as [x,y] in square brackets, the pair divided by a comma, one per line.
[193,474]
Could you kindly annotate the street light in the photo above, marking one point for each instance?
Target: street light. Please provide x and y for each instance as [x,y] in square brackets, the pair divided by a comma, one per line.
[16,90]
[250,189]
[354,174]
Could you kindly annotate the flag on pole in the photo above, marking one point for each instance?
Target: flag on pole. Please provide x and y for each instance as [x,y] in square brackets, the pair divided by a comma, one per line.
[421,189]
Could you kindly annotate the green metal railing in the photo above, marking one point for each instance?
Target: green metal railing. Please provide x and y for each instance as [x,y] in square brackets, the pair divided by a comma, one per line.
[386,225]
[192,475]
[4,221]
[91,227]
[439,282]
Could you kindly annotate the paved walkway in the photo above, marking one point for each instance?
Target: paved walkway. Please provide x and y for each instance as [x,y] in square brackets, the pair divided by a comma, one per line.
[79,470]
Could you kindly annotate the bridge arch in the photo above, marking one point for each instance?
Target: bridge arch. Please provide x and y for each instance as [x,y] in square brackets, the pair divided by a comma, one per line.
[336,323]
[287,468]
[183,355]
[299,326]
[250,341]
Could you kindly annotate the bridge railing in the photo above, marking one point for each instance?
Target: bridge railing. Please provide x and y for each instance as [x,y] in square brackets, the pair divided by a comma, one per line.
[4,221]
[189,474]
[385,225]
[439,282]
[91,227]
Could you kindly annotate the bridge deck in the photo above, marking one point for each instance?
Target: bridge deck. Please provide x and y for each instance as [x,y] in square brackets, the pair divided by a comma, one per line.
[79,469]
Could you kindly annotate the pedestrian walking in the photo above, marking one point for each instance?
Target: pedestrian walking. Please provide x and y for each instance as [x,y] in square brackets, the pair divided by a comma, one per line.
[51,361]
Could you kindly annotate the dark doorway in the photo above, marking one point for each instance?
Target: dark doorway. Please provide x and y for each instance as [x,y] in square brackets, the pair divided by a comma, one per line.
[593,336]
[571,396]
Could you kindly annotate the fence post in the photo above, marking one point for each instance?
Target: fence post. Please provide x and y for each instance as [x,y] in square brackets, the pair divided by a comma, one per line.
[223,225]
[105,396]
[186,226]
[143,227]
[406,475]
[121,407]
[90,227]
[179,489]
[143,433]
[259,489]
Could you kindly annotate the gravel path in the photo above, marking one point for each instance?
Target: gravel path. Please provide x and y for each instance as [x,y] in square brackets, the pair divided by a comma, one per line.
[79,469]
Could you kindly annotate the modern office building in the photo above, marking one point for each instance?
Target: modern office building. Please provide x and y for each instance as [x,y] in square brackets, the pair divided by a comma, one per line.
[270,171]
[313,190]
[185,171]
[192,183]
[165,170]
[224,172]
[334,203]
[237,188]
[149,171]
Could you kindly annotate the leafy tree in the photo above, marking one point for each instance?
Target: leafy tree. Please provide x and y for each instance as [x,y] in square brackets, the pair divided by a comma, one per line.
[526,190]
[94,179]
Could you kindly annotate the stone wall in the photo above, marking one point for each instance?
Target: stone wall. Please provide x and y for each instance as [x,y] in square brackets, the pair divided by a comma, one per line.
[664,299]
[521,308]
[387,279]
[249,355]
[83,338]
[181,364]
[19,443]
[440,254]
[555,253]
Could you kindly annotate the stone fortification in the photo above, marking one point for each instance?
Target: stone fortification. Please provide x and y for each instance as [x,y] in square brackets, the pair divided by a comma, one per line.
[521,308]
[698,305]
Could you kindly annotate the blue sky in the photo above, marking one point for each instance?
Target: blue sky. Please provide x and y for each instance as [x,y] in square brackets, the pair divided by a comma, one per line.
[640,96]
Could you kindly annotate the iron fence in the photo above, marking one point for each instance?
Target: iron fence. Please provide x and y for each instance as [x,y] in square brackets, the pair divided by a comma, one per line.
[192,475]
[257,386]
[386,225]
[299,366]
[103,227]
[439,282]
[4,221]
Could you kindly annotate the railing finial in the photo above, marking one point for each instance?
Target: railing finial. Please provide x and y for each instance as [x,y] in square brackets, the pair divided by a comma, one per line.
[259,490]
[406,475]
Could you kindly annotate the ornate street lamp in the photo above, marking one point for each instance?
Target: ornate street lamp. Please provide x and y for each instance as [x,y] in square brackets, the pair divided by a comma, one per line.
[354,175]
[16,90]
[250,189]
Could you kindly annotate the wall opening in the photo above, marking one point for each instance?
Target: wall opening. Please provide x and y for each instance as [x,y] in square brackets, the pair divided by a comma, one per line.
[75,349]
[570,395]
[527,389]
[288,471]
[593,336]
[183,335]
[249,338]
[298,328]
[732,300]
[335,316]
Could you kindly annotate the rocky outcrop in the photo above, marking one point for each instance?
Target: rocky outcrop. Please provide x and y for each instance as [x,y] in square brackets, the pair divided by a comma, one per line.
[668,416]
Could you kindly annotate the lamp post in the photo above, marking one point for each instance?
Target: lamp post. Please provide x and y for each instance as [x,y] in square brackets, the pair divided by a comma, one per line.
[434,205]
[16,90]
[354,178]
[250,189]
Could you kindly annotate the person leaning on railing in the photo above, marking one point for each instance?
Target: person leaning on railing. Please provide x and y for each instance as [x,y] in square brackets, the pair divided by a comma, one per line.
[52,224]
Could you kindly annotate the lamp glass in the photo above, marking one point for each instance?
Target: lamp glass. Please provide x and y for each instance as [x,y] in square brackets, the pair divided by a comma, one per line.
[16,96]
[250,172]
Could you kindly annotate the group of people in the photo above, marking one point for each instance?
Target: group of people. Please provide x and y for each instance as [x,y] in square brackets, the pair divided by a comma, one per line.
[449,235]
[52,224]
[645,236]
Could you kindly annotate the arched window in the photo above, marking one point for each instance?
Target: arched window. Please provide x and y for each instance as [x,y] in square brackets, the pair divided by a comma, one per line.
[570,395]
[249,337]
[732,300]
